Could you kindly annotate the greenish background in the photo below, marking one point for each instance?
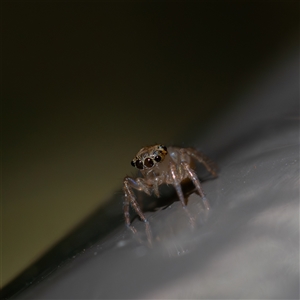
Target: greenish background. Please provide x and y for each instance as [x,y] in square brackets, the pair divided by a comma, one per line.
[86,85]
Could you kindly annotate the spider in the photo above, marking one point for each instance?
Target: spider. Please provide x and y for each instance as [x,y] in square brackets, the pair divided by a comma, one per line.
[159,165]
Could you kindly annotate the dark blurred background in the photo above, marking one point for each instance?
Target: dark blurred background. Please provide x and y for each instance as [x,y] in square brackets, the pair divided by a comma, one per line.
[86,85]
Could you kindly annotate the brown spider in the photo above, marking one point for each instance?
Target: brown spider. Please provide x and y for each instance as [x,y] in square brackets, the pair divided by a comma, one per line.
[159,165]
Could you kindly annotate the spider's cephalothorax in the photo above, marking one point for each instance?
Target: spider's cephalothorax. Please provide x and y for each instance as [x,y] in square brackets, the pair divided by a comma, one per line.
[159,165]
[148,157]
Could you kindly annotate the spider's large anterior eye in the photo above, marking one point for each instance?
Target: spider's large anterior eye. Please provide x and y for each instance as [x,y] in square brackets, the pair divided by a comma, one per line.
[149,162]
[132,163]
[157,158]
[139,164]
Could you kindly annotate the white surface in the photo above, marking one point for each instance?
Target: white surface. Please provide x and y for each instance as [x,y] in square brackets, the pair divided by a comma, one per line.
[246,247]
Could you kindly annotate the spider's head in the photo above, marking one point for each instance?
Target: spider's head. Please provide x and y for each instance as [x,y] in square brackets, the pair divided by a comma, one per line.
[148,157]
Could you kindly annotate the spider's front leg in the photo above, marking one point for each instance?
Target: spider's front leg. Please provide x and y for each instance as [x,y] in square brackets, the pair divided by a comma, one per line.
[177,185]
[193,176]
[140,185]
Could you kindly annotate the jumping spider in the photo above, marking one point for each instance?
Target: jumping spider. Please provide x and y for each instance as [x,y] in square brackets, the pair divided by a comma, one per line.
[159,165]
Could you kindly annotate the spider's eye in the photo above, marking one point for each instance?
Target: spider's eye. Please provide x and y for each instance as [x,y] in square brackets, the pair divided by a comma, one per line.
[164,147]
[149,162]
[157,158]
[139,164]
[132,163]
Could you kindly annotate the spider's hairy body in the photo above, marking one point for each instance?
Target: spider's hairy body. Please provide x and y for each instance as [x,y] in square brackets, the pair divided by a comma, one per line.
[162,169]
[159,165]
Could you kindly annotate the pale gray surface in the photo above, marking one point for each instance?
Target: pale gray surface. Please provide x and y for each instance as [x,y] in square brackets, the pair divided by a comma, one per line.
[246,247]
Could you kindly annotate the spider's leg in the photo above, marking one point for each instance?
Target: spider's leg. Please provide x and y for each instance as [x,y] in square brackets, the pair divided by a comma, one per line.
[176,184]
[156,183]
[193,176]
[210,166]
[129,184]
[126,209]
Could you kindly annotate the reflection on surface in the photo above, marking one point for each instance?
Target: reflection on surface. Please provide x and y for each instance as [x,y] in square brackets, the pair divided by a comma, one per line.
[167,227]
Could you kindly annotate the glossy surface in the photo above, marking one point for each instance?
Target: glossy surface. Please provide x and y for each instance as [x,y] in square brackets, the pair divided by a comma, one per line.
[246,246]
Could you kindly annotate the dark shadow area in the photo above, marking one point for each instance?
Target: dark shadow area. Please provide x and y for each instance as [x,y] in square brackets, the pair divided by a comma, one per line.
[103,221]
